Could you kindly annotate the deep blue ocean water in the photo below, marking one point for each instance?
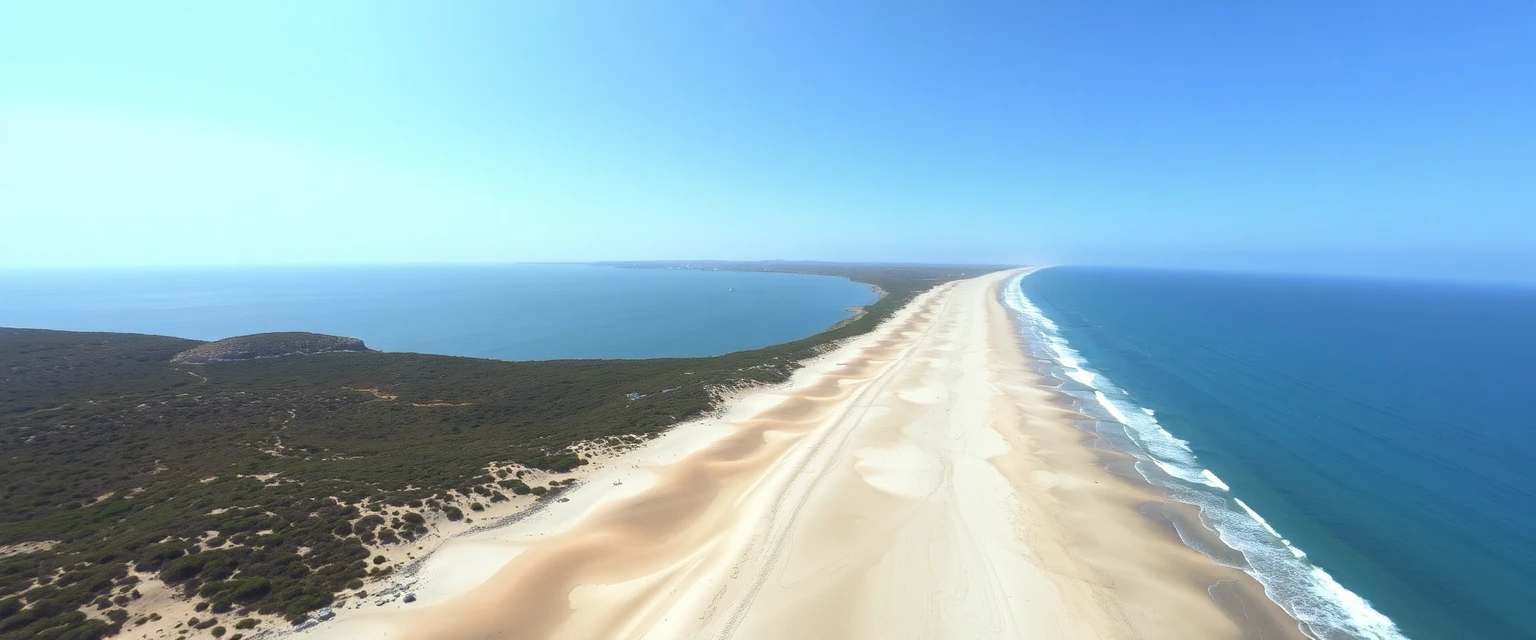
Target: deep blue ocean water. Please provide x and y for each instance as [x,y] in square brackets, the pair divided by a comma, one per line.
[510,312]
[1385,429]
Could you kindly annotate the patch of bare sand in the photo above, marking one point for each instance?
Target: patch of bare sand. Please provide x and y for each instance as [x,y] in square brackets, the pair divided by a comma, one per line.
[161,612]
[912,483]
[22,548]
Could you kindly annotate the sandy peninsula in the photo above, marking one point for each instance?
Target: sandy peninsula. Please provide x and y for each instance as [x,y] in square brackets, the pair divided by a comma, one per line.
[913,483]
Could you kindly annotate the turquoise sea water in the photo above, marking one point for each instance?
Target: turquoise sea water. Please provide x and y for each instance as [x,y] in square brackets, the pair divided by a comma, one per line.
[511,312]
[1369,446]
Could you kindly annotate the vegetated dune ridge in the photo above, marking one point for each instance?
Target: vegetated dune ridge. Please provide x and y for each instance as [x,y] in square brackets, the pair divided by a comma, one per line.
[913,483]
[267,345]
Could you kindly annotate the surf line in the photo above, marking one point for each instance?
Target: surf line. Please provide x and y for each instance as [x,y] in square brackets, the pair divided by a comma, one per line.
[1322,607]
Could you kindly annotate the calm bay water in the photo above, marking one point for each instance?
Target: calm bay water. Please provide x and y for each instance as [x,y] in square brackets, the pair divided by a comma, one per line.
[511,312]
[1381,432]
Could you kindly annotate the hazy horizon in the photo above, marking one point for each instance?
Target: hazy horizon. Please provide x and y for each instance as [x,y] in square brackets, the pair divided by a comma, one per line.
[1515,279]
[1299,138]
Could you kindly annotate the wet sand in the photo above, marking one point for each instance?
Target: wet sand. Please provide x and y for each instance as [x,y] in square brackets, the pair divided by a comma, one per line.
[914,483]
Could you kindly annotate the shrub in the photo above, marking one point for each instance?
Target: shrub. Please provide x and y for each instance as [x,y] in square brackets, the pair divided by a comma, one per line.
[248,623]
[453,513]
[251,589]
[368,523]
[218,632]
[475,506]
[559,462]
[183,568]
[154,556]
[380,559]
[49,608]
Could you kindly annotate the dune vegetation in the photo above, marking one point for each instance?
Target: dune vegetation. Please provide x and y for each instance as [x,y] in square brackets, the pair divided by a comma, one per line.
[259,486]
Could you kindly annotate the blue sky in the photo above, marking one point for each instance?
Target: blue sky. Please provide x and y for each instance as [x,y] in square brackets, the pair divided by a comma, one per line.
[1363,137]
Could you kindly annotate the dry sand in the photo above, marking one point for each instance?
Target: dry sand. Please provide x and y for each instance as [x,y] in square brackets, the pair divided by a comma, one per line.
[913,483]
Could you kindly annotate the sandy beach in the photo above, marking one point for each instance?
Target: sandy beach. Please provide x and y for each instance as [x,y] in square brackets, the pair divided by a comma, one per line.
[916,482]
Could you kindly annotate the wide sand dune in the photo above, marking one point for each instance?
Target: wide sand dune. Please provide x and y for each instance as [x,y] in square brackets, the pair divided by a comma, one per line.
[915,483]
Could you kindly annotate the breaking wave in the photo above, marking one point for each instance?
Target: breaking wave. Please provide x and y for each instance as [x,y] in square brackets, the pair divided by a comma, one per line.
[1325,609]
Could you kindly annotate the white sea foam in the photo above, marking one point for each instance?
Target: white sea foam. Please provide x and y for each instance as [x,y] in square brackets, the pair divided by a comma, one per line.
[1328,609]
[1260,519]
[1211,479]
[1110,407]
[1081,376]
[1265,523]
[1170,454]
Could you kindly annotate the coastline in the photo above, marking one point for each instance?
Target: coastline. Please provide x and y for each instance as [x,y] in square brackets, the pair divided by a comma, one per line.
[859,311]
[1120,526]
[1196,505]
[359,462]
[916,481]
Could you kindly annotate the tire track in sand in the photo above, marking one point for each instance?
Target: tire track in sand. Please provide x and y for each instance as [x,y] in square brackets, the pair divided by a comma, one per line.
[821,459]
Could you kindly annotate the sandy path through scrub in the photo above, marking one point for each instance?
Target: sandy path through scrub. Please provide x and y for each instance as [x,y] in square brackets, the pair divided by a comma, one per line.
[912,484]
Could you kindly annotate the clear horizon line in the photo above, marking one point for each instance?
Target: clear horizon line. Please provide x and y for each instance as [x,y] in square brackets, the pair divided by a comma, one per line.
[1514,280]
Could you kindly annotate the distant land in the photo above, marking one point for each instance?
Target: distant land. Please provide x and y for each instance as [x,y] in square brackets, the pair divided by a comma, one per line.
[259,478]
[503,311]
[267,345]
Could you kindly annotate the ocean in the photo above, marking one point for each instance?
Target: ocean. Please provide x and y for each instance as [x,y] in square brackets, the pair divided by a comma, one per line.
[509,312]
[1368,446]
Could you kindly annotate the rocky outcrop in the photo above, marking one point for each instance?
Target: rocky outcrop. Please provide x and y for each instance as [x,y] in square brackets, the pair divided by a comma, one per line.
[267,345]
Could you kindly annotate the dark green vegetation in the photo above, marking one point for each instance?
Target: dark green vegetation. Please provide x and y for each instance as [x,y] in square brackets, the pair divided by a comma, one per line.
[267,345]
[262,485]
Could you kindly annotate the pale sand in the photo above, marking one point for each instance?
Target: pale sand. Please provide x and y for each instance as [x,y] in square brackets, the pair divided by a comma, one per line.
[913,483]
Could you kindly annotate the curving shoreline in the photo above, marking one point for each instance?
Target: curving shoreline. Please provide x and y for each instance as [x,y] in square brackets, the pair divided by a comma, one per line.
[1148,518]
[1205,513]
[916,481]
